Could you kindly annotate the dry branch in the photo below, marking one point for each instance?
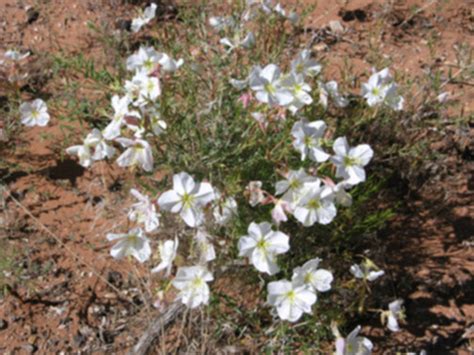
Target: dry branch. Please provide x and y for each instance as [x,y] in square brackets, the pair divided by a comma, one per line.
[157,326]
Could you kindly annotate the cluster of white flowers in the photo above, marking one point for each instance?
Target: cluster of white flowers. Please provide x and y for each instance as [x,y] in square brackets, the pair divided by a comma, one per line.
[291,299]
[137,111]
[354,344]
[382,90]
[190,200]
[268,7]
[239,38]
[313,199]
[32,113]
[290,90]
[304,194]
[237,35]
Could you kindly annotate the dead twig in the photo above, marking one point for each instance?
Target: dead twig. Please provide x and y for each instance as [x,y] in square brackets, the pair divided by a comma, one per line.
[155,328]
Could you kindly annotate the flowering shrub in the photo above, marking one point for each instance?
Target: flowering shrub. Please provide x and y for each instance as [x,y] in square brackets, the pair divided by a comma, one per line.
[256,160]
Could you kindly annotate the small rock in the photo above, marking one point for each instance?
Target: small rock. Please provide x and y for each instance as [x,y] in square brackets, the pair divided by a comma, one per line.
[3,324]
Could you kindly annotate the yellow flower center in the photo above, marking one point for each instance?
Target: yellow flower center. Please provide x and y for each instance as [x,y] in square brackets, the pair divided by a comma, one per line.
[262,244]
[308,278]
[291,295]
[150,86]
[148,64]
[197,282]
[270,88]
[309,141]
[295,184]
[187,200]
[314,204]
[350,161]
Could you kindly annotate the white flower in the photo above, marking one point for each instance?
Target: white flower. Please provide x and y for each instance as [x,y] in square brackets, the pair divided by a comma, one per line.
[144,212]
[265,5]
[292,16]
[304,65]
[309,274]
[315,205]
[353,344]
[146,58]
[191,282]
[268,88]
[167,252]
[34,113]
[83,152]
[93,140]
[443,97]
[380,89]
[101,149]
[220,23]
[392,99]
[143,88]
[300,91]
[291,187]
[261,246]
[206,249]
[350,162]
[138,153]
[260,118]
[341,196]
[308,139]
[290,300]
[253,76]
[279,211]
[367,271]
[239,84]
[187,198]
[279,10]
[156,124]
[254,189]
[15,55]
[143,19]
[168,64]
[247,42]
[394,313]
[225,210]
[330,89]
[121,111]
[134,243]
